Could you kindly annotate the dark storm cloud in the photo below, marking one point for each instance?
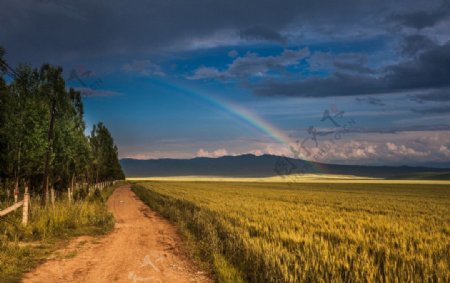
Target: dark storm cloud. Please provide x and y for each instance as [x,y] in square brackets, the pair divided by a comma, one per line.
[338,84]
[353,67]
[262,33]
[429,70]
[371,100]
[433,110]
[440,95]
[50,30]
[345,62]
[423,19]
[413,44]
[65,29]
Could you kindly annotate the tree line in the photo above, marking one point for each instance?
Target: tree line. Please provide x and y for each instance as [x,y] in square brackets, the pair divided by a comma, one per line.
[42,134]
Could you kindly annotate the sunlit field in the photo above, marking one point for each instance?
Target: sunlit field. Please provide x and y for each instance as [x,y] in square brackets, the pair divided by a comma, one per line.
[311,232]
[294,179]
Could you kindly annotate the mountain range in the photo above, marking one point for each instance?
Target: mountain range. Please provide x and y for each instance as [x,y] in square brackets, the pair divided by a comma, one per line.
[249,165]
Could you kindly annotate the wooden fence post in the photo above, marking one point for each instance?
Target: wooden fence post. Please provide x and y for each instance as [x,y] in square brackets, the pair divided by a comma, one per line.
[72,187]
[26,206]
[16,191]
[68,194]
[52,193]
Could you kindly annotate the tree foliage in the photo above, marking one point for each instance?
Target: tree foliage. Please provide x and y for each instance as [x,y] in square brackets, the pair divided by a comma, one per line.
[42,133]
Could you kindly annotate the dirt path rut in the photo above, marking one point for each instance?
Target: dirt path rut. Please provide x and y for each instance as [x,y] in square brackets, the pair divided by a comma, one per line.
[142,248]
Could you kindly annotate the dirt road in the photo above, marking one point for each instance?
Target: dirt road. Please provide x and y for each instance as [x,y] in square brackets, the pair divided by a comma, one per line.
[142,248]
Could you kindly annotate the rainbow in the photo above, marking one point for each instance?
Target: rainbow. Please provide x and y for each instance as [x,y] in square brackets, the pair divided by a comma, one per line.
[232,108]
[238,112]
[246,116]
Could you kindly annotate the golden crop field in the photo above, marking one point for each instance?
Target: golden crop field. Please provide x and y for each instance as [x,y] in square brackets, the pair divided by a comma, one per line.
[312,232]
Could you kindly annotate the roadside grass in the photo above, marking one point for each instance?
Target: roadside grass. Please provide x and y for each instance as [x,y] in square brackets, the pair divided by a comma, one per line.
[310,232]
[50,227]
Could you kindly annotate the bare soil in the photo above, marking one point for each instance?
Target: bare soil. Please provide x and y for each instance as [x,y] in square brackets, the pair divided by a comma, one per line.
[144,247]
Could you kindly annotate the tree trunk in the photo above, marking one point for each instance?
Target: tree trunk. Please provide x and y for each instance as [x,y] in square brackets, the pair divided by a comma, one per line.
[49,150]
[16,185]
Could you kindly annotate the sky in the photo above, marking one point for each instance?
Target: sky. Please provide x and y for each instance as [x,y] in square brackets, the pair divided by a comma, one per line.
[346,82]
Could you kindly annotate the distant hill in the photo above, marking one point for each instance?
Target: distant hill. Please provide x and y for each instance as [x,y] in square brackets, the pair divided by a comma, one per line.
[249,165]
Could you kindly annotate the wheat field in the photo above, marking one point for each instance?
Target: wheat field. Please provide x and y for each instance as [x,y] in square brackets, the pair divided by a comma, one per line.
[312,232]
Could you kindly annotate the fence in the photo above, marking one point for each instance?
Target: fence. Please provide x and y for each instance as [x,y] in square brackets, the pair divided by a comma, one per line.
[25,203]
